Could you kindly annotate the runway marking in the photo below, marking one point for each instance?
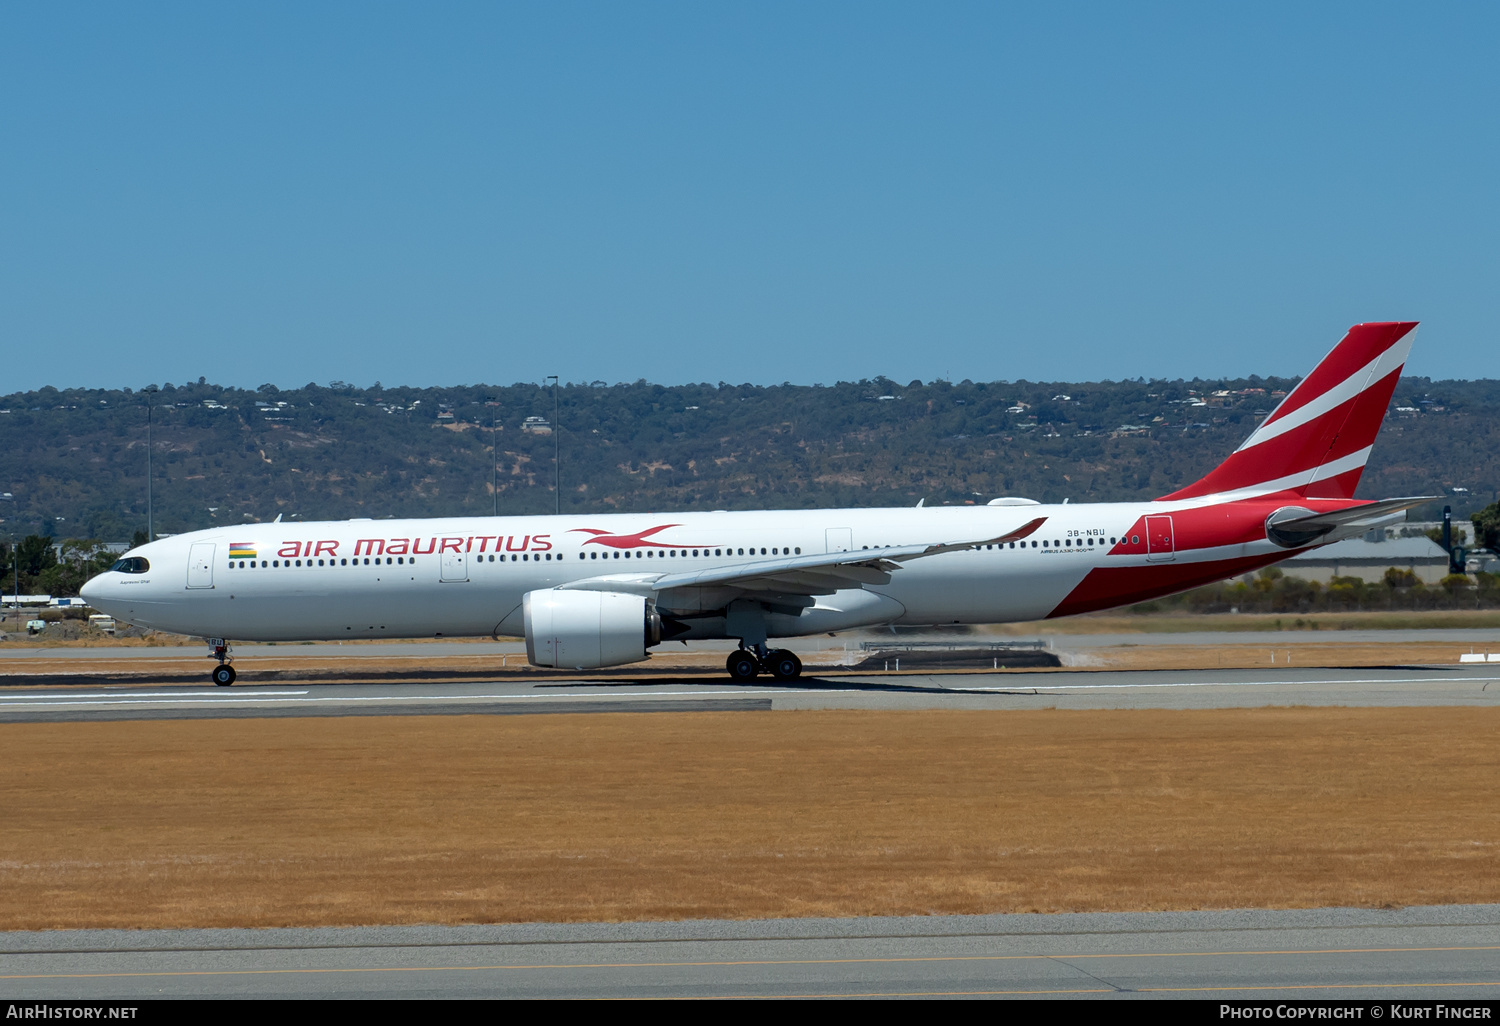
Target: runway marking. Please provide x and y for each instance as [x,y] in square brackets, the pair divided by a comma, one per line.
[1234,684]
[142,694]
[732,963]
[173,700]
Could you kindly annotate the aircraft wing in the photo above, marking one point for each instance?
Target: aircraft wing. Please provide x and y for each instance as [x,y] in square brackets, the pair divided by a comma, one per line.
[819,574]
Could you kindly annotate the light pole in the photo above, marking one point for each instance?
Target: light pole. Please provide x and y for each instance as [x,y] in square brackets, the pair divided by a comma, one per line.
[150,391]
[556,448]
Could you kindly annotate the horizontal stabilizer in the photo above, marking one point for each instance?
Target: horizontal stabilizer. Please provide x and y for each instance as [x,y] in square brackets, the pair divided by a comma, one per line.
[1294,528]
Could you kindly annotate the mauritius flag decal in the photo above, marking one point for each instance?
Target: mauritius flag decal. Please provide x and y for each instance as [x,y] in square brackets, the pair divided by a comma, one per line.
[241,550]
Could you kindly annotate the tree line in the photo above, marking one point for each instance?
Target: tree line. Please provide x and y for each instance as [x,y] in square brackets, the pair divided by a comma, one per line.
[73,461]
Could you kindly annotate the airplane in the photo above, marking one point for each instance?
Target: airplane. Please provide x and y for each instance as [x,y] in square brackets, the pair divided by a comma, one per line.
[590,591]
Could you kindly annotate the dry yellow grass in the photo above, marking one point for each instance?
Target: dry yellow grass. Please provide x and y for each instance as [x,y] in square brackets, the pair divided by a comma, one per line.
[630,816]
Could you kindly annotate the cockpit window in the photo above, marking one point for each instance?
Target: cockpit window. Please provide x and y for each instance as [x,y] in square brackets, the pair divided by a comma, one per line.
[133,565]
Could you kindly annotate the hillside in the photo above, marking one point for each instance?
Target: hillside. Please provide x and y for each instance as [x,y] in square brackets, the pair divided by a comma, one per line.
[74,459]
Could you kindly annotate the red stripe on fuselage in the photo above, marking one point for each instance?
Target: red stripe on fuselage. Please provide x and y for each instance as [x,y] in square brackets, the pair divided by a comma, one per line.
[1106,587]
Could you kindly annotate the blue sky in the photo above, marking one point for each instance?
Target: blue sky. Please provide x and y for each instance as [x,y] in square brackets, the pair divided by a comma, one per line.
[450,193]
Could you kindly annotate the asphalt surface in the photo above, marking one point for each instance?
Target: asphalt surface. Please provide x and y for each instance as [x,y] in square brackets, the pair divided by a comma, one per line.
[1438,953]
[1061,642]
[1468,685]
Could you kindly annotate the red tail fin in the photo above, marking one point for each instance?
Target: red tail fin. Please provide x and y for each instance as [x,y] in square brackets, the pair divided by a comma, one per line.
[1316,443]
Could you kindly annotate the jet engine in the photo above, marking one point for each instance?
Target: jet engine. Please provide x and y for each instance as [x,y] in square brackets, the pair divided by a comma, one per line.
[582,630]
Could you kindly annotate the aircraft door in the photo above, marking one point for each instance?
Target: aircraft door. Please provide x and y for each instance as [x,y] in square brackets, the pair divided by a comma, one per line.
[839,539]
[455,566]
[200,572]
[1159,541]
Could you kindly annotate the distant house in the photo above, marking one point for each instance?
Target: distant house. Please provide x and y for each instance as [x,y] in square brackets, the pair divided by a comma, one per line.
[536,426]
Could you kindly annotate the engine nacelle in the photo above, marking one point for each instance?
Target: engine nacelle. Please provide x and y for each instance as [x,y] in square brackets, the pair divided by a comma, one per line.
[583,630]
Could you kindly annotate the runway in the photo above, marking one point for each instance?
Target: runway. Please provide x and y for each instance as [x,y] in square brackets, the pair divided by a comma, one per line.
[1438,953]
[1461,638]
[1060,689]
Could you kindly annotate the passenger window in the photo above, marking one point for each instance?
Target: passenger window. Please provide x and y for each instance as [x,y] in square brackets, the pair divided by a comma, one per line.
[799,550]
[1135,539]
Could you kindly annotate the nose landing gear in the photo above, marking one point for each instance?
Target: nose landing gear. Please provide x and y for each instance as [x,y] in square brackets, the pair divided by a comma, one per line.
[223,674]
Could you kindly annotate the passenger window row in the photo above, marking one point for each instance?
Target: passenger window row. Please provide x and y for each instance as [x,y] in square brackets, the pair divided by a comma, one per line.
[534,557]
[241,564]
[684,553]
[1053,544]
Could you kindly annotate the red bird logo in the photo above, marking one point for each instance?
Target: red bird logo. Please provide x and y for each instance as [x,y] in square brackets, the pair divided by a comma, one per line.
[632,541]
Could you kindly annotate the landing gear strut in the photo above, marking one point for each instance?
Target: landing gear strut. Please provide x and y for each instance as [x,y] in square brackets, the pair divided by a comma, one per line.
[223,674]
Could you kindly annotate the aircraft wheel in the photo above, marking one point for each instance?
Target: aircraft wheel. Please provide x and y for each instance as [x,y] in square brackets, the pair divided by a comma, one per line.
[223,676]
[784,665]
[742,665]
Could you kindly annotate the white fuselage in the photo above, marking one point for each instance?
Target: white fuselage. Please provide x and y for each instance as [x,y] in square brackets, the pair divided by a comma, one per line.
[466,576]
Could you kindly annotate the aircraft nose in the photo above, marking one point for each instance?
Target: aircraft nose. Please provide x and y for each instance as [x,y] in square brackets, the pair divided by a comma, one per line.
[92,589]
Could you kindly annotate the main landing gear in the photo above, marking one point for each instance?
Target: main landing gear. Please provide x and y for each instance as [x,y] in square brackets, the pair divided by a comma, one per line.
[745,664]
[223,674]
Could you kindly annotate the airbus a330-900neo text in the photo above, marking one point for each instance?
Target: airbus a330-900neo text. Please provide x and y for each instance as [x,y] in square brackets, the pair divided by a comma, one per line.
[593,591]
